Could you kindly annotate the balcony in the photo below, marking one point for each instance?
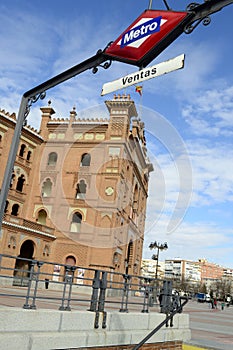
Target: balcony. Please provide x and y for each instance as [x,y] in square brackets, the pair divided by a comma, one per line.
[28,225]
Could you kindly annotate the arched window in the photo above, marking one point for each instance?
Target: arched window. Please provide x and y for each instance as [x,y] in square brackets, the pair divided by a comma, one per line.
[106,221]
[76,222]
[46,250]
[81,190]
[15,209]
[135,198]
[42,216]
[70,260]
[46,188]
[6,206]
[12,180]
[29,156]
[85,159]
[129,258]
[20,183]
[52,158]
[22,266]
[22,150]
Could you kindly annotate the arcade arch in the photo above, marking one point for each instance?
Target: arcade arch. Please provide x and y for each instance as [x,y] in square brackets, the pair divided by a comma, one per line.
[22,267]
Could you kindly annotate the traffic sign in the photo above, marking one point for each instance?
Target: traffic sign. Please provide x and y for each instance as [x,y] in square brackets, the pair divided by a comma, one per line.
[147,36]
[144,74]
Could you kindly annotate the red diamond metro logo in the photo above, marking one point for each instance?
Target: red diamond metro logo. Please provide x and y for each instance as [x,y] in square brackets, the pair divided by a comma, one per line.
[148,36]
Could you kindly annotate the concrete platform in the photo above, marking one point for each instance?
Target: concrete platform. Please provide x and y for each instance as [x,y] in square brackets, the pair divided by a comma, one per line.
[53,329]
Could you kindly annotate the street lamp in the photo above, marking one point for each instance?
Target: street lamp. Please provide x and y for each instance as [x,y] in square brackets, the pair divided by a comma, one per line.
[158,246]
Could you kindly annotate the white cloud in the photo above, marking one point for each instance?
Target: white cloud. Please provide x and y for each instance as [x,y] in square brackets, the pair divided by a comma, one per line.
[211,112]
[192,241]
[185,83]
[212,172]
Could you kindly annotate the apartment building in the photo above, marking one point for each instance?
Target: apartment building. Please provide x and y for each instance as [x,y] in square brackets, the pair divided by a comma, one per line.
[194,271]
[179,269]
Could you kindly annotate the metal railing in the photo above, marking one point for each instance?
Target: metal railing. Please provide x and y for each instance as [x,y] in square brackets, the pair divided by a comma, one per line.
[64,286]
[52,285]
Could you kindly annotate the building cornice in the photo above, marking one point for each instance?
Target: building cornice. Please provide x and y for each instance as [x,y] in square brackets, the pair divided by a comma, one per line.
[29,229]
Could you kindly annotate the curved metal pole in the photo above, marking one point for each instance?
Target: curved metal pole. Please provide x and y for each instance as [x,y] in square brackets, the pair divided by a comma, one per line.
[207,8]
[91,62]
[11,158]
[202,12]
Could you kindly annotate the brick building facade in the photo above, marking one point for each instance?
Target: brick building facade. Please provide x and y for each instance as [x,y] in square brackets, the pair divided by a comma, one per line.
[210,271]
[79,189]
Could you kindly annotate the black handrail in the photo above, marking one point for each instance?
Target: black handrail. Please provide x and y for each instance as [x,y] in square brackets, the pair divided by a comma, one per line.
[165,322]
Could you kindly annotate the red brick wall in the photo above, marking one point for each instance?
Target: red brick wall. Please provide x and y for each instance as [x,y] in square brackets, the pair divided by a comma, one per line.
[173,345]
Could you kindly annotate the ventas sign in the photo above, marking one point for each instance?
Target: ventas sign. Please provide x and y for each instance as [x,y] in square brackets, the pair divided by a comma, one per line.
[148,36]
[144,74]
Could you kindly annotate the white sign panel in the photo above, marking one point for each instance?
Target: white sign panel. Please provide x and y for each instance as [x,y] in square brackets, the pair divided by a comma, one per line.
[144,74]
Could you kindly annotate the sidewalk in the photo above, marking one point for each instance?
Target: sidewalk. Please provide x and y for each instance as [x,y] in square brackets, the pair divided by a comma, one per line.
[210,328]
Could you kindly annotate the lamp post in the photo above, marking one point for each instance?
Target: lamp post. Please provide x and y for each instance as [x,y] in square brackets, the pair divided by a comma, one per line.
[158,246]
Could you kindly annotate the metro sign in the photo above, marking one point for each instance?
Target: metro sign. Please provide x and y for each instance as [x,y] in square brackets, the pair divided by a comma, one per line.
[136,36]
[148,36]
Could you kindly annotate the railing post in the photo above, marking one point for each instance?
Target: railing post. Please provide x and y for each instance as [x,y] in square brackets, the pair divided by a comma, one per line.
[26,305]
[166,297]
[103,286]
[39,264]
[101,302]
[125,294]
[146,300]
[62,307]
[70,280]
[95,290]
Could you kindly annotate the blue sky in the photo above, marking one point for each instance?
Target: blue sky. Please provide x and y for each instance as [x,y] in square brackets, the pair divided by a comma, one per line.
[188,114]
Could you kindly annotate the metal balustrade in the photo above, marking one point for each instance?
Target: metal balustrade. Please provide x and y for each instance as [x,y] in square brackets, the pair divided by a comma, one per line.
[34,283]
[67,287]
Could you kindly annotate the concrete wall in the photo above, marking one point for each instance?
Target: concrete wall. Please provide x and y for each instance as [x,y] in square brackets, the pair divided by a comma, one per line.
[48,329]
